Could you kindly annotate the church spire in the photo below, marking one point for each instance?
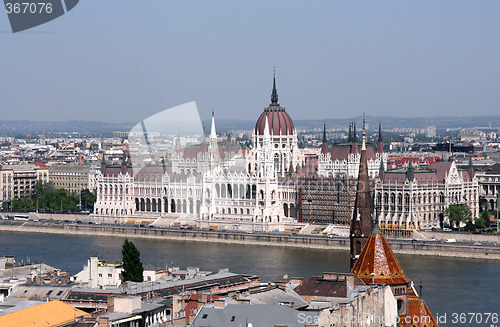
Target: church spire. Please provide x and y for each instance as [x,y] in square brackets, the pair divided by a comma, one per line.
[274,94]
[381,170]
[361,222]
[324,144]
[354,143]
[380,144]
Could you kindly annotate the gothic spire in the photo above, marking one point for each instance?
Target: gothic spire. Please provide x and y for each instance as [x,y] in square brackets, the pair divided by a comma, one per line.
[324,144]
[324,132]
[363,145]
[361,222]
[470,169]
[349,140]
[213,133]
[380,144]
[410,173]
[274,94]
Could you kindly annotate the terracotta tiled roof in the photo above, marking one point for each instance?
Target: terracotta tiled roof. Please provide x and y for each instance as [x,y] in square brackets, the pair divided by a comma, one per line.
[40,164]
[49,314]
[418,313]
[377,257]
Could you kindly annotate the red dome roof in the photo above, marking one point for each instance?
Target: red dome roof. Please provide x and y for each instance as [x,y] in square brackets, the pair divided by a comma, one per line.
[279,121]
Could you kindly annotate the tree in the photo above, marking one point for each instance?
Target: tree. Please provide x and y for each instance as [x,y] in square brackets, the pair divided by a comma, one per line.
[484,221]
[458,213]
[50,199]
[132,265]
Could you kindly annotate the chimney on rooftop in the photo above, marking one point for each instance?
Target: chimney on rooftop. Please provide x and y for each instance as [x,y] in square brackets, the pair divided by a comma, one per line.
[219,303]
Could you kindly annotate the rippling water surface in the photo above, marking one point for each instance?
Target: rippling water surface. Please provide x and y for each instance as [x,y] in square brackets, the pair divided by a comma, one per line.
[450,285]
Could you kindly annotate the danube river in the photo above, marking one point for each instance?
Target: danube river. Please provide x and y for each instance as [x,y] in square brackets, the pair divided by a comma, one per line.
[451,286]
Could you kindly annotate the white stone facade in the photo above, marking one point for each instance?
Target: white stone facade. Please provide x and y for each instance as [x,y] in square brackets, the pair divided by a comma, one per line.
[417,200]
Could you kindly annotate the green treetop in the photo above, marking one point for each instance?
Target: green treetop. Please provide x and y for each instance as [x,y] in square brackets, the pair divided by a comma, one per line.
[132,265]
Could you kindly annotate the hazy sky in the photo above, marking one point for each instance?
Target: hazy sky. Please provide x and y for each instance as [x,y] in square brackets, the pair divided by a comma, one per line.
[124,60]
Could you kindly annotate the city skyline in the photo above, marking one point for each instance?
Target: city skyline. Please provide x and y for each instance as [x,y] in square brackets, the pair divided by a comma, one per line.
[121,61]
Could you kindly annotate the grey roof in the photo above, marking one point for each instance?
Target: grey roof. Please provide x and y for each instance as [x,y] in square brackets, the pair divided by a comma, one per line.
[23,271]
[52,292]
[235,315]
[275,296]
[114,316]
[12,305]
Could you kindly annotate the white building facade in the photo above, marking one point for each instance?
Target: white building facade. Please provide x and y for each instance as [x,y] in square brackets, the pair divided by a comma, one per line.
[212,183]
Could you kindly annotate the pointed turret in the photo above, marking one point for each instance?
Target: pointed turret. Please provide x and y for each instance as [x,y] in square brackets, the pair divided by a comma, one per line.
[103,164]
[178,142]
[380,144]
[363,141]
[410,172]
[266,130]
[324,144]
[381,170]
[354,146]
[229,143]
[470,169]
[349,139]
[213,133]
[274,94]
[354,136]
[361,222]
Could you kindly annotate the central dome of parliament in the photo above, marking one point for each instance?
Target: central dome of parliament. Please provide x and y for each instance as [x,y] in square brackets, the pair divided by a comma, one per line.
[279,121]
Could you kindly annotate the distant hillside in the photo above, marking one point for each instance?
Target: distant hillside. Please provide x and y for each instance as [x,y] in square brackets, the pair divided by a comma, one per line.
[23,128]
[26,127]
[373,121]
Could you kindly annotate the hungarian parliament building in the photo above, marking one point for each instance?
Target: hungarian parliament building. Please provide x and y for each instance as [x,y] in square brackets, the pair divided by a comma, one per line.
[273,185]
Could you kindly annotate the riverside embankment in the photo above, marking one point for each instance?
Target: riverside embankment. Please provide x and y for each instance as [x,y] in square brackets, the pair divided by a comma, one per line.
[433,248]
